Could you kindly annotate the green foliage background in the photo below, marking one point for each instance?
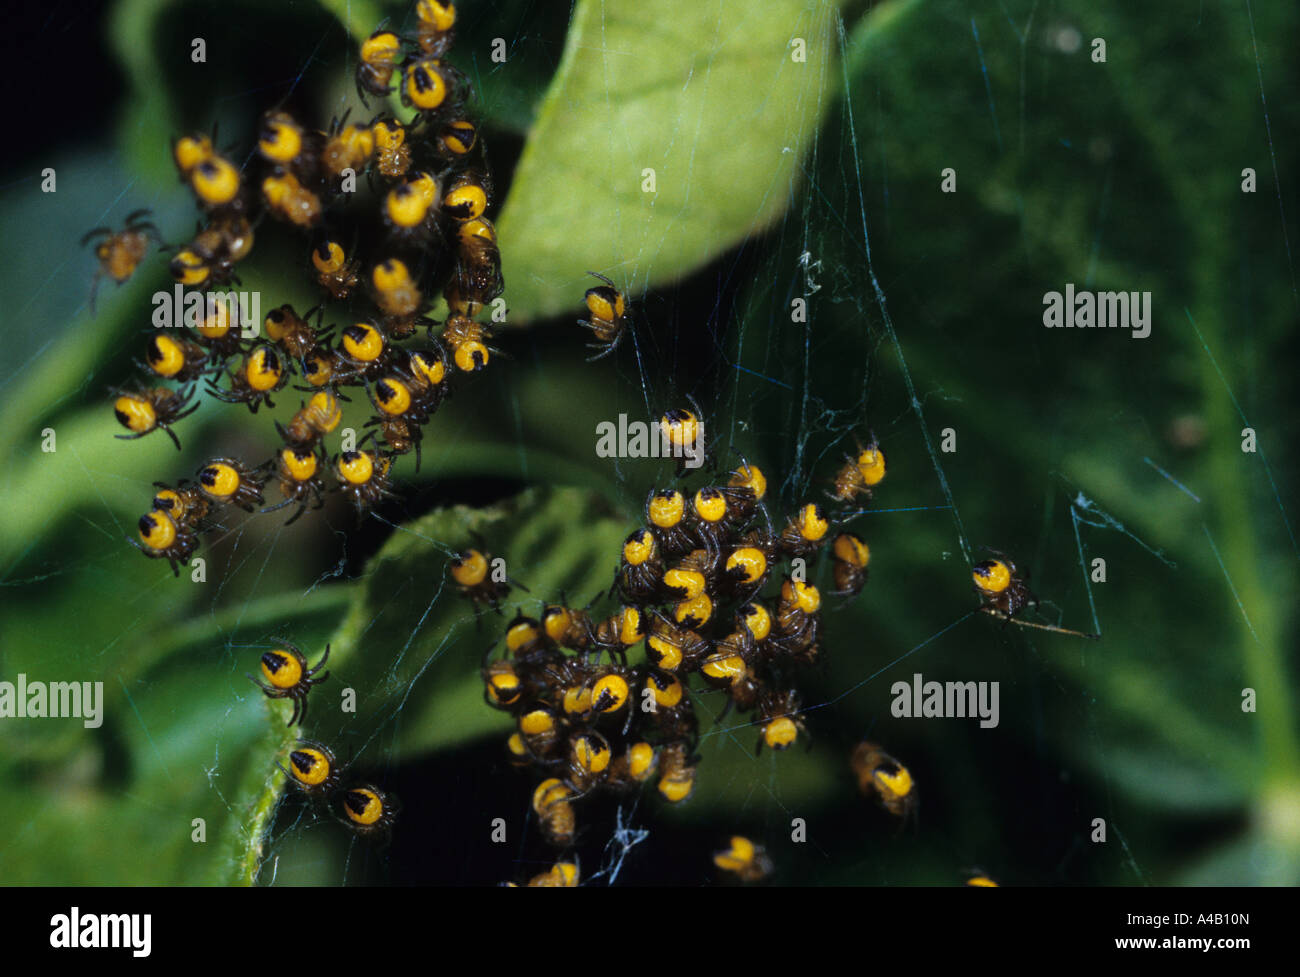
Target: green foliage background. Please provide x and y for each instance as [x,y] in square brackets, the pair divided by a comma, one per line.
[1123,175]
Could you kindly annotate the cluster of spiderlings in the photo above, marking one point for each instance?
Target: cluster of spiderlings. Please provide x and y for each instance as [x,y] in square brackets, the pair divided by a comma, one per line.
[313,767]
[711,589]
[431,195]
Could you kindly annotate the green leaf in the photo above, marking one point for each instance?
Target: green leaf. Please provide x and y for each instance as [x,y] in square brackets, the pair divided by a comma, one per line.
[184,737]
[1267,853]
[411,645]
[708,97]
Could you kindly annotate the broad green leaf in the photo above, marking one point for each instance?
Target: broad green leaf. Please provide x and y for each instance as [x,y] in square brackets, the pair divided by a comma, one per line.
[708,97]
[184,736]
[411,645]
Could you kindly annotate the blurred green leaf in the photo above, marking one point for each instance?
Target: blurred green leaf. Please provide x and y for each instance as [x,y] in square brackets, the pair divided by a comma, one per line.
[1267,853]
[116,803]
[708,97]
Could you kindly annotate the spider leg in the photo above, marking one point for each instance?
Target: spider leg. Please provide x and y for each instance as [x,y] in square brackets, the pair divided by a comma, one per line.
[726,709]
[302,507]
[281,505]
[94,289]
[225,396]
[272,692]
[608,349]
